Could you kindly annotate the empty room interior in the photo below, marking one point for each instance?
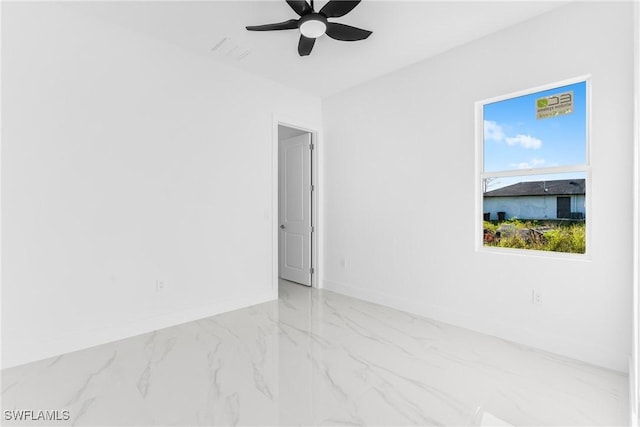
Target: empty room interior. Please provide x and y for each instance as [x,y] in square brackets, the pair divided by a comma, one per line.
[278,213]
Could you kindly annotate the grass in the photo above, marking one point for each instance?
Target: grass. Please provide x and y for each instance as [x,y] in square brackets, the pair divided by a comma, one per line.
[556,236]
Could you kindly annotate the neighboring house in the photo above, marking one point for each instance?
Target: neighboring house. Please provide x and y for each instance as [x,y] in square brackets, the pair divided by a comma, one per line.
[560,199]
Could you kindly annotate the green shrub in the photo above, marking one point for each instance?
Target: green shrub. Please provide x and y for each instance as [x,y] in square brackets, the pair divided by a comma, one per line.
[490,226]
[567,239]
[557,236]
[513,241]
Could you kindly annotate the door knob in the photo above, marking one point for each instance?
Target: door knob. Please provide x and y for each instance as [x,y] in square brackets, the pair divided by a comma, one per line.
[282,226]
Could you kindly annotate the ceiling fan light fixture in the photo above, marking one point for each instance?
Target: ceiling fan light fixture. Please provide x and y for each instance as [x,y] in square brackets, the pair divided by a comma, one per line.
[313,29]
[313,25]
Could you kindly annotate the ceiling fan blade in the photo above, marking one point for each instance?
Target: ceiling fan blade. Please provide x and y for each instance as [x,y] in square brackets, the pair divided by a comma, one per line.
[305,45]
[346,33]
[338,8]
[301,7]
[291,24]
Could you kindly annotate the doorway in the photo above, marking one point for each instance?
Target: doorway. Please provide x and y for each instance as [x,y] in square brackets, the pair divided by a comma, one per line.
[295,205]
[563,207]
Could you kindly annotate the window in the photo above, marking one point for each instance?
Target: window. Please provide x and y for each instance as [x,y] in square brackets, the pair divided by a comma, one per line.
[533,163]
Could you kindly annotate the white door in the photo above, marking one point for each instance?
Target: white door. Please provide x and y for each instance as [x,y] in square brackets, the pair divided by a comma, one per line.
[294,197]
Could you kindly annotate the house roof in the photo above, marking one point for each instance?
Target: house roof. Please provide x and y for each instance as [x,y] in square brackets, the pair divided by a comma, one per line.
[559,187]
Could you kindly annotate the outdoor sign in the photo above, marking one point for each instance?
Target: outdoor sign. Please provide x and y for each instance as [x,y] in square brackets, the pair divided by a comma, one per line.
[554,105]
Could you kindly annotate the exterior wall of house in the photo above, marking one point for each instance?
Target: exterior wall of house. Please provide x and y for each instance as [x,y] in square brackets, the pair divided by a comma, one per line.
[530,207]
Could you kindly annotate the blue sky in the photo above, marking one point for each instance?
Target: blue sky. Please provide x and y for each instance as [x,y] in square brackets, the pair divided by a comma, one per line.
[514,139]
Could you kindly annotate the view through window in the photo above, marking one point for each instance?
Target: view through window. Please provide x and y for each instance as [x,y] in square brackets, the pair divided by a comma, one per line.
[535,169]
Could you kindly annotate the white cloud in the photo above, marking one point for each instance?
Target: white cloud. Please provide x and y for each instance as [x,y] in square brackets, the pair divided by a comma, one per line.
[535,162]
[525,141]
[493,131]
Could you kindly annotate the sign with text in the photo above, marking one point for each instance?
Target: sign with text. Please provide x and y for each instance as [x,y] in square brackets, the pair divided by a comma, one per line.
[554,105]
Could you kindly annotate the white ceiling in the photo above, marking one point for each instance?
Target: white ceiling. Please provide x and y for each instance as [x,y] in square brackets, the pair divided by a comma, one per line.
[404,32]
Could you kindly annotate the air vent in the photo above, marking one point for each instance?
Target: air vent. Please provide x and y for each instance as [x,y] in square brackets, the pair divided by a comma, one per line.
[227,48]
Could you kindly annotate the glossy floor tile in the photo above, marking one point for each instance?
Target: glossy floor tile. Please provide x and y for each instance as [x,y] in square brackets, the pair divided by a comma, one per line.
[315,358]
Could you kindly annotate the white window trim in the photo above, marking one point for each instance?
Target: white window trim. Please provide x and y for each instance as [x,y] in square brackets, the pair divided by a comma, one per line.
[480,175]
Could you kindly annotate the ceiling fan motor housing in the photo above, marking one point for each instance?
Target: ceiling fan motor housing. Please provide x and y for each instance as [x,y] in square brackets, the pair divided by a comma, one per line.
[313,25]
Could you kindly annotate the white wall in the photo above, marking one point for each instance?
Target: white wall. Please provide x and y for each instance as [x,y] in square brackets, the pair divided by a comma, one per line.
[285,132]
[125,161]
[396,144]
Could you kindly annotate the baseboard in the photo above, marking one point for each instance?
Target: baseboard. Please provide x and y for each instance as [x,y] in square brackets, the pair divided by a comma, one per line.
[573,349]
[28,351]
[633,399]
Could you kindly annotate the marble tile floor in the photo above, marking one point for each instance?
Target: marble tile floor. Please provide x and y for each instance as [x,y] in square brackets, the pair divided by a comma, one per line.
[315,357]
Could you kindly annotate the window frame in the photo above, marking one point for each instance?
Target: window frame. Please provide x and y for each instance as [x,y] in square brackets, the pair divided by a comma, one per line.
[480,175]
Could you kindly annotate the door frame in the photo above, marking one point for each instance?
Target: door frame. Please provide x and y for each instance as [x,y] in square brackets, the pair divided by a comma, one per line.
[634,368]
[316,244]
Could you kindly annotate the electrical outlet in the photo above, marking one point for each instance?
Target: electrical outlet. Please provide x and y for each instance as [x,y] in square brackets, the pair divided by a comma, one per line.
[536,297]
[160,285]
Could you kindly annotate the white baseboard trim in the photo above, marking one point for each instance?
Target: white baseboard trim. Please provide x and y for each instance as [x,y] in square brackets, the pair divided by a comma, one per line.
[633,399]
[550,343]
[31,350]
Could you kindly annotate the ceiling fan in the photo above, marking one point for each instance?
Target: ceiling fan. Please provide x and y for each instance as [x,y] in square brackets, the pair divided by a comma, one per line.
[314,24]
